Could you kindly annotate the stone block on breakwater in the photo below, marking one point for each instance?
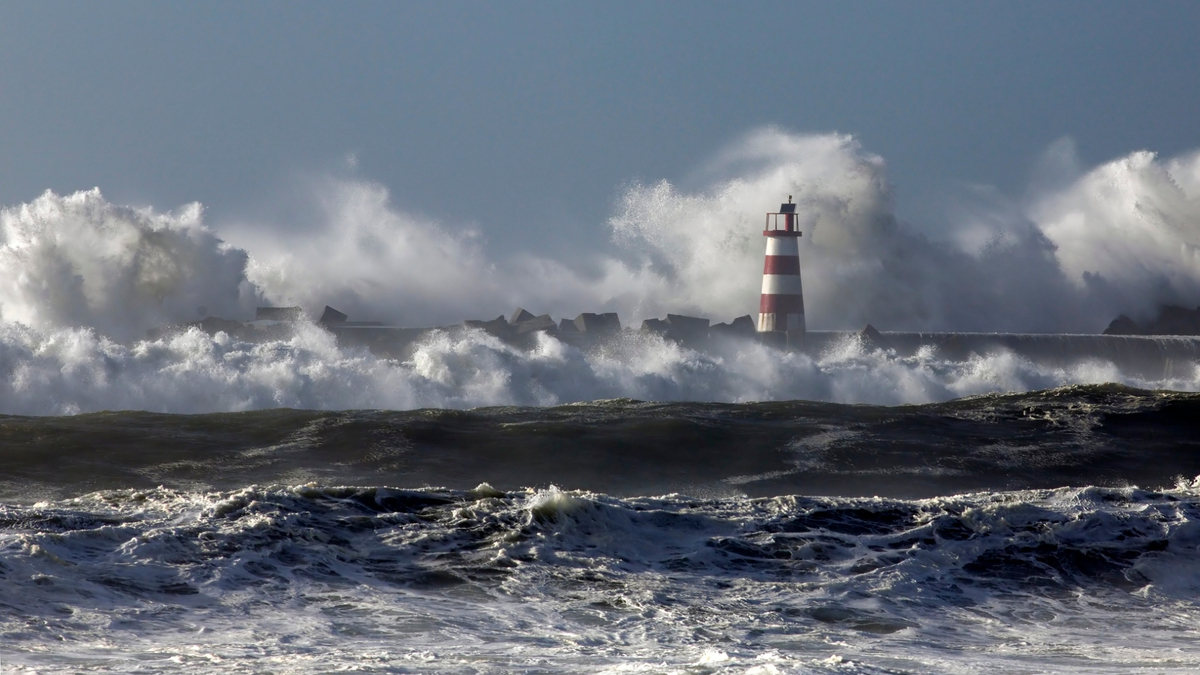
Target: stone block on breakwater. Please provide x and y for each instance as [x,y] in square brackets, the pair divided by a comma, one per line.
[1171,320]
[741,327]
[331,317]
[535,324]
[597,325]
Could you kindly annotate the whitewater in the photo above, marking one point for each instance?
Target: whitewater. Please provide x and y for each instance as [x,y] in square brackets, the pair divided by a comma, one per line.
[184,502]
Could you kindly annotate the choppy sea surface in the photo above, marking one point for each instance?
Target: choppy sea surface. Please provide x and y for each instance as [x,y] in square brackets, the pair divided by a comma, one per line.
[179,502]
[1049,531]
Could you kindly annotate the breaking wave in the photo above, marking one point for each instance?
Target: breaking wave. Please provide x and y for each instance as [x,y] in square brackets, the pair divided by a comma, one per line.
[85,279]
[71,371]
[487,581]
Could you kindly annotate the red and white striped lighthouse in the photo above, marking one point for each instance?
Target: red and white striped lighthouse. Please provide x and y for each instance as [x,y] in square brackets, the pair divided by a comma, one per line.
[781,308]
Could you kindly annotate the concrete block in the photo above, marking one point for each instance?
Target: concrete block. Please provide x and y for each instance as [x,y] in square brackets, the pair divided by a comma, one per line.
[658,326]
[519,316]
[741,327]
[1171,320]
[872,338]
[596,325]
[744,323]
[535,324]
[691,331]
[1123,325]
[687,324]
[1175,320]
[498,326]
[331,317]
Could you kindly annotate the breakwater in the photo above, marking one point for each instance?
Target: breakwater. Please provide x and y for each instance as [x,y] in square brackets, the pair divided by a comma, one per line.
[1150,356]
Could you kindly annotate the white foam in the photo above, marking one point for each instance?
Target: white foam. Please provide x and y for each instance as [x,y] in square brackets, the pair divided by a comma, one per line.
[309,578]
[79,261]
[68,371]
[84,279]
[1130,228]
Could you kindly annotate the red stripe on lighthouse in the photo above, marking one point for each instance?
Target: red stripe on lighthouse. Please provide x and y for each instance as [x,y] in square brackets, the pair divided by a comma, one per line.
[781,304]
[781,264]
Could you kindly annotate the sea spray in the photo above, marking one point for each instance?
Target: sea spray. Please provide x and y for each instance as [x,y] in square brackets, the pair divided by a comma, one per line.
[80,261]
[71,371]
[1051,265]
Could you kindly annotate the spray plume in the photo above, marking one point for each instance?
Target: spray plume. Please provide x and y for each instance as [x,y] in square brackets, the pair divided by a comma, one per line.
[84,279]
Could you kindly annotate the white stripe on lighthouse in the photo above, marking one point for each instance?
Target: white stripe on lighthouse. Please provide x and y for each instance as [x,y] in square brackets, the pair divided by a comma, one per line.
[783,246]
[782,284]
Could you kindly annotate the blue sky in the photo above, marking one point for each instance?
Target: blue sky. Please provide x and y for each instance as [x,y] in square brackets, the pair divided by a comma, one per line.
[527,118]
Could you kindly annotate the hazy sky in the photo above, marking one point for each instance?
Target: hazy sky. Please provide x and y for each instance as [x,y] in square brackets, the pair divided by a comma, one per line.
[527,118]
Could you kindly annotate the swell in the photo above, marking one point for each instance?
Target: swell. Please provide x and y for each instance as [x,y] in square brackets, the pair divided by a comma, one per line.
[1078,435]
[1077,536]
[471,569]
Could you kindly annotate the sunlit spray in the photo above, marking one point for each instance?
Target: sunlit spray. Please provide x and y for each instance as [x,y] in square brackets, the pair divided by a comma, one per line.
[83,280]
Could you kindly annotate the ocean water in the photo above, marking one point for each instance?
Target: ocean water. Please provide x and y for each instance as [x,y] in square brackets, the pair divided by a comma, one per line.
[198,504]
[266,508]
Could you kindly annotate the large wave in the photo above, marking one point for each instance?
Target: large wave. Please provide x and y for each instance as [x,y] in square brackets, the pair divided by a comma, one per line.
[79,261]
[85,279]
[69,371]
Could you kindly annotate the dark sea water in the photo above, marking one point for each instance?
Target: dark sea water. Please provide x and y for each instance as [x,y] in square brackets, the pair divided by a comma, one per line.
[1102,435]
[1049,531]
[278,498]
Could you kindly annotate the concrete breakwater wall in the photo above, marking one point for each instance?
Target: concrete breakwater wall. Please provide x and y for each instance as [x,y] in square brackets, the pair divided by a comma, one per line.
[1150,356]
[586,331]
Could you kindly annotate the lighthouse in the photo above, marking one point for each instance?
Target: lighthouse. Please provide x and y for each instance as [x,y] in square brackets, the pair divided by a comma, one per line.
[781,307]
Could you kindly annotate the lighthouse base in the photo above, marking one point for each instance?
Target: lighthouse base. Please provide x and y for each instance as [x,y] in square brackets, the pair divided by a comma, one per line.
[783,340]
[776,339]
[772,321]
